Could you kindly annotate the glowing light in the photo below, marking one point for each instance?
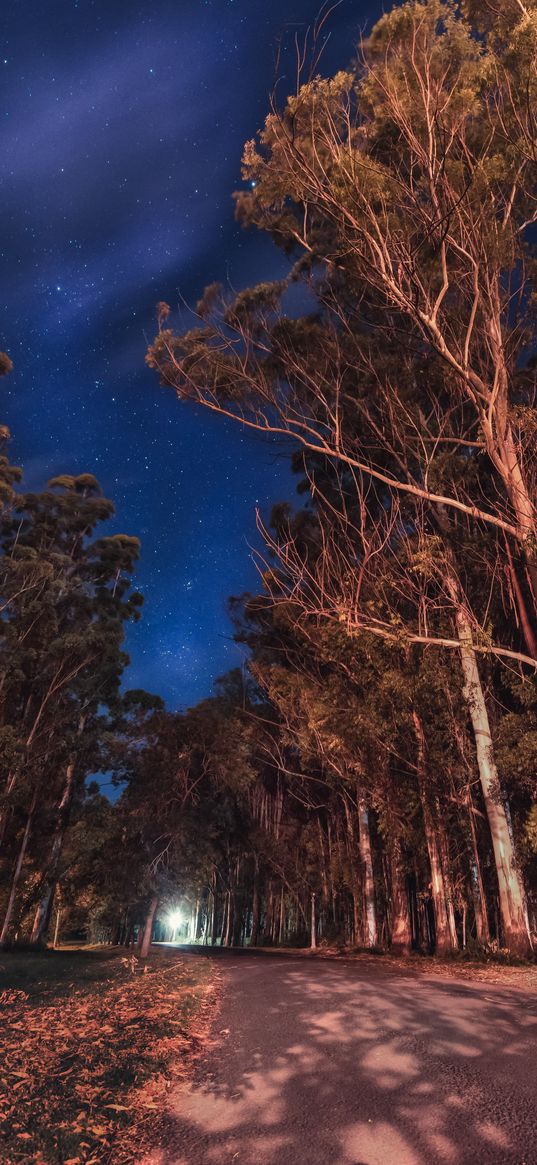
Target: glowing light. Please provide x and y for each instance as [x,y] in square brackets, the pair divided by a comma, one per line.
[175,918]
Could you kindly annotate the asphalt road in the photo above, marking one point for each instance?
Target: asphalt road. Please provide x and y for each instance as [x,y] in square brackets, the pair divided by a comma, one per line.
[320,1063]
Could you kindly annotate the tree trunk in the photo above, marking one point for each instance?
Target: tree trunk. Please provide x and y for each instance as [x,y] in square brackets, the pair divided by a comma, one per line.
[57,927]
[255,905]
[196,919]
[237,899]
[520,603]
[226,941]
[214,920]
[511,891]
[313,939]
[4,815]
[17,873]
[350,842]
[370,937]
[444,940]
[443,845]
[401,940]
[148,928]
[42,914]
[482,928]
[282,918]
[125,929]
[511,469]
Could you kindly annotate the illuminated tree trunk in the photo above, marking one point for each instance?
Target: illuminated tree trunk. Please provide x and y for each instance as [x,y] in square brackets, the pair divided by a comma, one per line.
[510,465]
[355,886]
[482,928]
[443,845]
[444,939]
[370,911]
[313,927]
[148,928]
[57,927]
[195,920]
[511,891]
[401,936]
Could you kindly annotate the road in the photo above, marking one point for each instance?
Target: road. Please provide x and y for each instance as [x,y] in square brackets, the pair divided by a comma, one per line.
[321,1063]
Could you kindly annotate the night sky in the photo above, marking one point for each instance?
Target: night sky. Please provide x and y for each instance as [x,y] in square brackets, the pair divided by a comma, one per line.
[123,131]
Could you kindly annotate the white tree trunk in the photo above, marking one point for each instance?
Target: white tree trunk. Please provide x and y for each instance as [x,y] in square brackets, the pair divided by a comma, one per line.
[511,890]
[57,928]
[313,943]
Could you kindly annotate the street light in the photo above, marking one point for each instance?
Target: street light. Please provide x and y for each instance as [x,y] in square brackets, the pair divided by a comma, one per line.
[175,919]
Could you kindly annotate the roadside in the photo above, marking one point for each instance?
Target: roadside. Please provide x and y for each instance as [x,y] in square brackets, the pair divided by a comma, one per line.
[522,975]
[90,1041]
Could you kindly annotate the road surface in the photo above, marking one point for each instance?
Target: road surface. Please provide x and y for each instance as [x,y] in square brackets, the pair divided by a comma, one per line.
[321,1063]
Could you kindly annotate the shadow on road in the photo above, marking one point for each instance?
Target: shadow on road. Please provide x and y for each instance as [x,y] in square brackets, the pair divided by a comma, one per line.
[317,1063]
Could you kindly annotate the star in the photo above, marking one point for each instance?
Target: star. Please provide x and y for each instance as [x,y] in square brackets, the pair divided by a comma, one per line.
[123,137]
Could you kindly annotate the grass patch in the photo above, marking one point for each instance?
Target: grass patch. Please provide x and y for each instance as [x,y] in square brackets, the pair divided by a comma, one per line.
[89,1039]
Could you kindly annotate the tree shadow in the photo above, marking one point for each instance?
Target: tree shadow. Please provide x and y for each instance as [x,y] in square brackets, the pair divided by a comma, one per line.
[319,1063]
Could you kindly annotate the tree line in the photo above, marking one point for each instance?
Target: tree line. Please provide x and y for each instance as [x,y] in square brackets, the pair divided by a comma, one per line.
[369,779]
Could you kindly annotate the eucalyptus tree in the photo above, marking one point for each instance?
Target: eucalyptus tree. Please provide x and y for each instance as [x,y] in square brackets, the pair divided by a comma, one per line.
[66,598]
[404,190]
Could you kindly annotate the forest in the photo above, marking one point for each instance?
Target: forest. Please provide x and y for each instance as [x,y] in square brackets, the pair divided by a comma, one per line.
[368,779]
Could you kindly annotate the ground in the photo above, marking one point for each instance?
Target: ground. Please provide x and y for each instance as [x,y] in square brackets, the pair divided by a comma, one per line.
[317,1062]
[260,1058]
[89,1042]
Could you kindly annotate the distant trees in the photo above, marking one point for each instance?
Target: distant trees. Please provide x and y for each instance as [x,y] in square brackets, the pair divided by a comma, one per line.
[405,192]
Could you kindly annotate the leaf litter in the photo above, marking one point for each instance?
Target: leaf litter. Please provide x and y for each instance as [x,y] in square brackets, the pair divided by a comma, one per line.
[82,1074]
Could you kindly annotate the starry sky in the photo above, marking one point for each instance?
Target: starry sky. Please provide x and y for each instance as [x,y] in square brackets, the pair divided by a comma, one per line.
[123,129]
